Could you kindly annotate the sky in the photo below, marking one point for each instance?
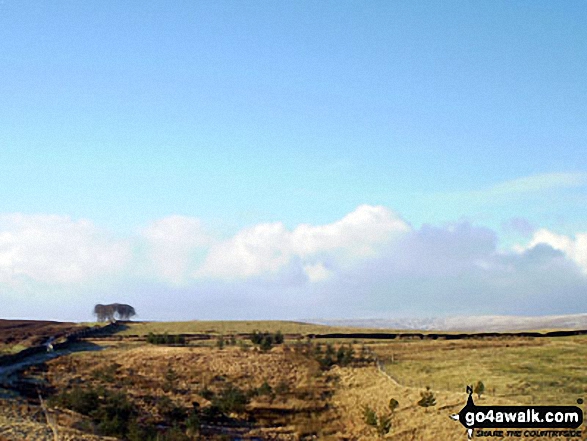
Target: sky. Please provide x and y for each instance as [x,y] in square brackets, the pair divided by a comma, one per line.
[292,160]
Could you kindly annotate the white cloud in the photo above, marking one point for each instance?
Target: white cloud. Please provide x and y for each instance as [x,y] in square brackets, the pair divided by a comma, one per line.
[264,248]
[268,249]
[359,234]
[370,262]
[317,272]
[53,249]
[574,249]
[173,245]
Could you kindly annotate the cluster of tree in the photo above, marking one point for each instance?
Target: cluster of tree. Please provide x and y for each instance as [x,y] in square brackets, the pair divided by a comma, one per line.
[381,422]
[165,339]
[221,341]
[266,340]
[231,399]
[113,312]
[343,356]
[111,413]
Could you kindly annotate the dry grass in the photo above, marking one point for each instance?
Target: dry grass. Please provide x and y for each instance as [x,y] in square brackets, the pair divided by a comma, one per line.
[514,370]
[539,371]
[19,421]
[141,372]
[233,327]
[367,386]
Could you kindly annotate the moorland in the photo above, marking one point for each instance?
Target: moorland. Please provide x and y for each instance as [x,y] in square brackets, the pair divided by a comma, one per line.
[267,380]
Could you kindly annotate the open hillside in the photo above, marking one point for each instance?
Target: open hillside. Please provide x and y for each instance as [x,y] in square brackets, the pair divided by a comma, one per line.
[234,327]
[275,384]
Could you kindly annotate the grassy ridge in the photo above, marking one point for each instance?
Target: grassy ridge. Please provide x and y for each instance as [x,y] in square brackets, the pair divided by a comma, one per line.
[234,327]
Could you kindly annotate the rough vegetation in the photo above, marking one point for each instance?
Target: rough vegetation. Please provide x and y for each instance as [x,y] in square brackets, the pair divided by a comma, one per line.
[267,385]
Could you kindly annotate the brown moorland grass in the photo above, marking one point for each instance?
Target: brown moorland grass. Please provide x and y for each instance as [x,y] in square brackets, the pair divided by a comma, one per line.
[26,333]
[514,371]
[19,421]
[234,327]
[143,372]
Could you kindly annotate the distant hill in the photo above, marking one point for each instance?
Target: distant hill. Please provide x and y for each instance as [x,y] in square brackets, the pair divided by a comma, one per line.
[487,323]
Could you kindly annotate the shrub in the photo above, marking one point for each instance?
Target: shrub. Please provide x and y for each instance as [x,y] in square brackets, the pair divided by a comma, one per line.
[393,404]
[207,394]
[193,422]
[267,343]
[266,340]
[173,434]
[79,400]
[344,356]
[107,373]
[212,412]
[230,399]
[114,414]
[165,339]
[370,416]
[256,338]
[479,389]
[265,389]
[282,388]
[384,425]
[220,342]
[427,398]
[138,432]
[172,413]
[170,380]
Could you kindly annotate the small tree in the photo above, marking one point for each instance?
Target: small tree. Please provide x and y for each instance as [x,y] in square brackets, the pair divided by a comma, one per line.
[170,380]
[256,338]
[384,425]
[266,343]
[370,416]
[348,356]
[479,389]
[427,398]
[220,342]
[265,389]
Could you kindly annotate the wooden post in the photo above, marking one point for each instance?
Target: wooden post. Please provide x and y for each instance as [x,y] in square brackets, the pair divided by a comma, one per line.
[50,421]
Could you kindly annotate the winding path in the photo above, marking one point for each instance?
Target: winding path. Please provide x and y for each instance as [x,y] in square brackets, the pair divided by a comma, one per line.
[9,372]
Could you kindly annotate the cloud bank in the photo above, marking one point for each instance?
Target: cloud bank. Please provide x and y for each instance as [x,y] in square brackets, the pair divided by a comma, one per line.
[370,263]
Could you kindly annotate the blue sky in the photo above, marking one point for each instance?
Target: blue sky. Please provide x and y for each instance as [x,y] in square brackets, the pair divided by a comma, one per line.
[212,120]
